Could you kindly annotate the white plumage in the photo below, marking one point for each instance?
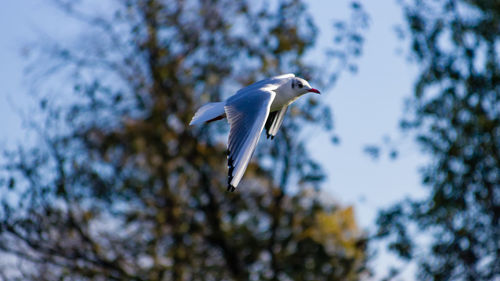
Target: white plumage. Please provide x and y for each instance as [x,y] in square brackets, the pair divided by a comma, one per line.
[261,104]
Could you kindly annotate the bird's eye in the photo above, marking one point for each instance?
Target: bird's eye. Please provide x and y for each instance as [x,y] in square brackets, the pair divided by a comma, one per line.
[300,85]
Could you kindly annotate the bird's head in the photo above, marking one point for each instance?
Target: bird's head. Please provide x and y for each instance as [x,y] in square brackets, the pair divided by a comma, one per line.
[301,86]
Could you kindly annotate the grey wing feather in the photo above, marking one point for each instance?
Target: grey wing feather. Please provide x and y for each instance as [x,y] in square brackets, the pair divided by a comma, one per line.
[274,122]
[265,83]
[247,116]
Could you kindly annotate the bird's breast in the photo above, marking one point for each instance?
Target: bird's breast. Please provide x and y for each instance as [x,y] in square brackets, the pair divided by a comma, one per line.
[280,101]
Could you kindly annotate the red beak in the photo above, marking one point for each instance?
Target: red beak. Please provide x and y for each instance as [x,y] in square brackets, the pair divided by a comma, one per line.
[314,91]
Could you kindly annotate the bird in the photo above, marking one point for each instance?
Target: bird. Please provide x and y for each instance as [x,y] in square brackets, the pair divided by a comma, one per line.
[260,105]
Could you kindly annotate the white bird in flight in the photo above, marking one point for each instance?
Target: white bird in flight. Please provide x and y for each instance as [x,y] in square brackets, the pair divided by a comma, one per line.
[261,104]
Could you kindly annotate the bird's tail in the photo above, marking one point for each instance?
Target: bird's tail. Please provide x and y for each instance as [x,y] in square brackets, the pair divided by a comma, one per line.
[209,112]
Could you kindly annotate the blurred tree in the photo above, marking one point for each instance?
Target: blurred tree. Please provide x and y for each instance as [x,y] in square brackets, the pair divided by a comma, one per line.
[118,187]
[455,112]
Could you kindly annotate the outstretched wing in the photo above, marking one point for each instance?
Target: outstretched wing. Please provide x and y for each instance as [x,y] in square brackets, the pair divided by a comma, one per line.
[274,122]
[247,115]
[268,83]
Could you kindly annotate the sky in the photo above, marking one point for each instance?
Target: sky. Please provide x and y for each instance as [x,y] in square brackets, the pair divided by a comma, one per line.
[366,106]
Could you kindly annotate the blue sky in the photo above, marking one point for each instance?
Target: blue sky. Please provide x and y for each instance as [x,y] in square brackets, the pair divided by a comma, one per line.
[366,106]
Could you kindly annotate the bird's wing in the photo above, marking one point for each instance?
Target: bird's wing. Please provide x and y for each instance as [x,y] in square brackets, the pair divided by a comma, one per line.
[247,116]
[274,122]
[269,83]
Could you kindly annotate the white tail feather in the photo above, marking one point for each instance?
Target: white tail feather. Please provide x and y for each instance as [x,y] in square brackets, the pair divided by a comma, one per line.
[208,112]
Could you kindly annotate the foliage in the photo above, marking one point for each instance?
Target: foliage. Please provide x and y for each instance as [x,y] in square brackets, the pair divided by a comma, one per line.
[455,112]
[118,187]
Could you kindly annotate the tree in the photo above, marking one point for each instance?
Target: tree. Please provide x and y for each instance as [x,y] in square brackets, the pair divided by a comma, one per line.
[455,113]
[118,187]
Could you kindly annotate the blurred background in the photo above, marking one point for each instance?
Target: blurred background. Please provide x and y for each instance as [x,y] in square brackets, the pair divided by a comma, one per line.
[393,173]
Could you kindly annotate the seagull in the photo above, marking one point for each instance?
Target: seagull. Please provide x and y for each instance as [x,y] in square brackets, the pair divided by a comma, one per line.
[260,105]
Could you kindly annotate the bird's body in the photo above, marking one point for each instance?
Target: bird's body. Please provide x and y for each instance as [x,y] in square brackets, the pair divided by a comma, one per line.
[249,110]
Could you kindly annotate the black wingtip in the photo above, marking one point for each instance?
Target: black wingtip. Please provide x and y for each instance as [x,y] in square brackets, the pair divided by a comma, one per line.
[272,137]
[230,187]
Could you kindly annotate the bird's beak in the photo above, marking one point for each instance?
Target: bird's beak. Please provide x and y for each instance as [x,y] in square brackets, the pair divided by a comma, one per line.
[312,90]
